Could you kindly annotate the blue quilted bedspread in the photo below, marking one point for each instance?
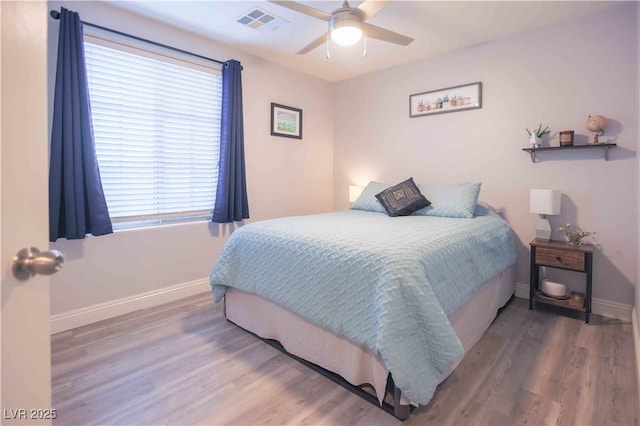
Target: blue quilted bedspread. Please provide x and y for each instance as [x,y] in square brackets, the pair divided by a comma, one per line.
[385,283]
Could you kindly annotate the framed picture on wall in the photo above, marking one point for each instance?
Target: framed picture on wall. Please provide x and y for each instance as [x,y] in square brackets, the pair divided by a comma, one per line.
[286,121]
[449,99]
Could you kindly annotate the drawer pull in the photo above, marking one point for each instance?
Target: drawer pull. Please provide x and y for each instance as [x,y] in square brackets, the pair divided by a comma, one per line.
[558,258]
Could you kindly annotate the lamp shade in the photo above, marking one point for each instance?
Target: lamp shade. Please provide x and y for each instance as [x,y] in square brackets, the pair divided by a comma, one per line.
[354,192]
[544,201]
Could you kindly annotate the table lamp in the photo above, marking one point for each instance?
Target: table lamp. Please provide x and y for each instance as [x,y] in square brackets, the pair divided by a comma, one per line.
[354,192]
[544,202]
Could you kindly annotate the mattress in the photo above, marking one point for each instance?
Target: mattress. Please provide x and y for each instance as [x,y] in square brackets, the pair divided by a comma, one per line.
[356,364]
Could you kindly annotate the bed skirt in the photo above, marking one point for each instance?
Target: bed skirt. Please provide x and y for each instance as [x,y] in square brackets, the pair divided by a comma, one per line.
[358,365]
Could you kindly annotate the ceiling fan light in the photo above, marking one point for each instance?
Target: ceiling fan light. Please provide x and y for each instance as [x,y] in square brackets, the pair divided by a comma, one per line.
[346,36]
[345,28]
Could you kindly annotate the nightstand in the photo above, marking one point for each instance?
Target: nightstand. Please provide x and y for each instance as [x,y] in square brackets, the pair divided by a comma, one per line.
[561,255]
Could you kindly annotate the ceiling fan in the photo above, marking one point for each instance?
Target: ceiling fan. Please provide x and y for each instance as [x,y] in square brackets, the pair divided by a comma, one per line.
[347,24]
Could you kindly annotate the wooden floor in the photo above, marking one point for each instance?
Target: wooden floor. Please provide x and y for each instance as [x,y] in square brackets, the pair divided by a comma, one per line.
[182,363]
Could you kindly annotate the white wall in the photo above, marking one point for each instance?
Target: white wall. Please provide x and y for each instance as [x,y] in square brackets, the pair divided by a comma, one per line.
[285,176]
[556,75]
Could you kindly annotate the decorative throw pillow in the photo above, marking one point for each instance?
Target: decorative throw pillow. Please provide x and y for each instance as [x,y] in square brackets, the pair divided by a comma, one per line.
[367,200]
[402,199]
[450,200]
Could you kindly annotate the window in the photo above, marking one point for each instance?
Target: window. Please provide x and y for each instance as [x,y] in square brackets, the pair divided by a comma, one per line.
[156,122]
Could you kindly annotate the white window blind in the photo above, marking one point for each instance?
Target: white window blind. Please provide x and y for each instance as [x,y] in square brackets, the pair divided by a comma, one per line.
[156,123]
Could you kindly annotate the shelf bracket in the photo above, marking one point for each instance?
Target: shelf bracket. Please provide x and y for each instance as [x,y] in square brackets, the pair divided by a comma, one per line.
[532,153]
[606,153]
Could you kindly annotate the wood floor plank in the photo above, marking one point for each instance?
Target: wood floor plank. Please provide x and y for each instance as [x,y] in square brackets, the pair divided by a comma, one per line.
[507,376]
[183,363]
[455,396]
[534,409]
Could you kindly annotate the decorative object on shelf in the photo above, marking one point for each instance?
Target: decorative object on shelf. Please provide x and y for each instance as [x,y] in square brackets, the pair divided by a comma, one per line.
[597,124]
[535,135]
[566,138]
[553,289]
[354,192]
[573,235]
[576,299]
[449,99]
[544,202]
[286,121]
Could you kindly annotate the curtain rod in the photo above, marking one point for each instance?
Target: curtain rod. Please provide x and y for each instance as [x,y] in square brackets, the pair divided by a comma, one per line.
[56,15]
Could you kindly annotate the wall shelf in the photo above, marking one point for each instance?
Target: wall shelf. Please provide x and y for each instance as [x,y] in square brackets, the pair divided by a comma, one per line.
[605,146]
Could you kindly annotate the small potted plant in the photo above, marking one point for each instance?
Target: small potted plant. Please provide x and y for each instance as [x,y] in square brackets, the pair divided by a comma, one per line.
[535,135]
[573,235]
[421,106]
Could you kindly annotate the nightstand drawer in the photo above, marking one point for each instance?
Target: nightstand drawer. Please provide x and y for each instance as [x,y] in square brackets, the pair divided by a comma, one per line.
[560,258]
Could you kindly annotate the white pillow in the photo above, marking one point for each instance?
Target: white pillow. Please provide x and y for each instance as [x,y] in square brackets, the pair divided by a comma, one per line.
[458,200]
[367,199]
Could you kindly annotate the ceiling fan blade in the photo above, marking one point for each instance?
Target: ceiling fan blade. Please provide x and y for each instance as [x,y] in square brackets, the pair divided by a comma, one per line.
[298,7]
[378,33]
[371,7]
[315,43]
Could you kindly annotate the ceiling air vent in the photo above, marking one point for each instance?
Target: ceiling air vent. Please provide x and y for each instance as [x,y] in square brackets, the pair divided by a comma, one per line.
[260,20]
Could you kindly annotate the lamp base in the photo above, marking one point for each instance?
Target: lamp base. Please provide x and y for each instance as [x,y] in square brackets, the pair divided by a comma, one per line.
[543,229]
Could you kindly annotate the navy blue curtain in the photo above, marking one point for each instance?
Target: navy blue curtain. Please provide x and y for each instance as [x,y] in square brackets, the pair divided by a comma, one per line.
[76,200]
[231,195]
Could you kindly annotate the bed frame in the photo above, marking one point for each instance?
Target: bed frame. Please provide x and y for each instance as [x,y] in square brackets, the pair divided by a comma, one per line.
[346,363]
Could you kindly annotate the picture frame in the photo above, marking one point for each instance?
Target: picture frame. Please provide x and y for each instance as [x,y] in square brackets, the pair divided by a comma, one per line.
[450,99]
[286,121]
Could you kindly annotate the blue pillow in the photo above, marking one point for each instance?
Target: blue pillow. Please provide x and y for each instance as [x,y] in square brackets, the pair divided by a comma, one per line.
[450,200]
[367,199]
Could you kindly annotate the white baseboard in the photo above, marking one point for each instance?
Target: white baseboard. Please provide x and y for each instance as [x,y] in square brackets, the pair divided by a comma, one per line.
[522,291]
[602,307]
[91,314]
[636,341]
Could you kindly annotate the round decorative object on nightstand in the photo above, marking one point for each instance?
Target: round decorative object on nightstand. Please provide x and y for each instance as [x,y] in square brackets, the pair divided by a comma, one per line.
[553,289]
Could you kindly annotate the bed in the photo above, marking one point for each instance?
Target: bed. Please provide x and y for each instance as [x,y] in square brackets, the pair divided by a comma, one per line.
[368,296]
